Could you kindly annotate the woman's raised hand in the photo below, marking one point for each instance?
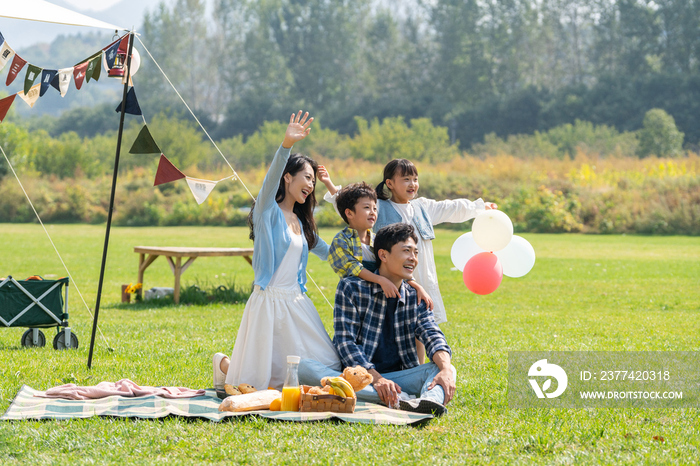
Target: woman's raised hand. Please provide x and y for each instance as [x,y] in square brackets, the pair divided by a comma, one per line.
[297,130]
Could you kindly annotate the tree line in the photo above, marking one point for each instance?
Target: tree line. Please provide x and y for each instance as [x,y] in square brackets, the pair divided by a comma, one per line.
[473,66]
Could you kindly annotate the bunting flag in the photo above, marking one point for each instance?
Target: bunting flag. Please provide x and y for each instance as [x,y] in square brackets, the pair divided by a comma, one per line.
[62,80]
[46,78]
[2,39]
[200,188]
[111,53]
[5,54]
[32,73]
[132,104]
[167,172]
[32,96]
[94,67]
[79,74]
[17,65]
[5,105]
[144,143]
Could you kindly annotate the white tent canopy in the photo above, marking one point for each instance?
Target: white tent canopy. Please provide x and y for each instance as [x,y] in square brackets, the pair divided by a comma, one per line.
[39,10]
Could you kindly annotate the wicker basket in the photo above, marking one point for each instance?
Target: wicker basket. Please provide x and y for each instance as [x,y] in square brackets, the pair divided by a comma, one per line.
[318,403]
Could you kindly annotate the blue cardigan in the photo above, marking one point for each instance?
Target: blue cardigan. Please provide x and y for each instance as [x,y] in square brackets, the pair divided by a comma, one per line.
[272,237]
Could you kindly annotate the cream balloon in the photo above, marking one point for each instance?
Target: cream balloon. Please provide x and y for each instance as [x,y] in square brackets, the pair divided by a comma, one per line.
[517,258]
[463,249]
[492,230]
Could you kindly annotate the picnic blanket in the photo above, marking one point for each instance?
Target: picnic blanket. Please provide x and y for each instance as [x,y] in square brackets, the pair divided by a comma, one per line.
[30,404]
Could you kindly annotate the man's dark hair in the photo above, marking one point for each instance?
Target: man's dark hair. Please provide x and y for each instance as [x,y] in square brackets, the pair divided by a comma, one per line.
[392,234]
[348,196]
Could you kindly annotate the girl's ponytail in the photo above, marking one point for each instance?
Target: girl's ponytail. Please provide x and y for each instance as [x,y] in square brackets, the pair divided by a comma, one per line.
[381,194]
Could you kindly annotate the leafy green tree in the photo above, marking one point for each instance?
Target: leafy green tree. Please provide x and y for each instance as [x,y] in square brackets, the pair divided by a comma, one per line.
[659,136]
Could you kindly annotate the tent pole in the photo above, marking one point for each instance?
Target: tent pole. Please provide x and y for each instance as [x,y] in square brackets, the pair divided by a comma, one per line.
[111,198]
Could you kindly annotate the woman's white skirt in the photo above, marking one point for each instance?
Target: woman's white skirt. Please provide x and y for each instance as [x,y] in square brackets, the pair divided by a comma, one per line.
[276,323]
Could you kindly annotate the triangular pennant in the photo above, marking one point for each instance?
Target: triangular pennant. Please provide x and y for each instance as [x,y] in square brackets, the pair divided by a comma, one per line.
[5,54]
[132,104]
[200,188]
[79,74]
[32,96]
[46,78]
[2,38]
[17,65]
[5,105]
[62,80]
[94,67]
[111,53]
[32,72]
[144,143]
[167,172]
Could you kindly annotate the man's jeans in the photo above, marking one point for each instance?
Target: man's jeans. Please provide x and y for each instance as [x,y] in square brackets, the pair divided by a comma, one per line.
[414,381]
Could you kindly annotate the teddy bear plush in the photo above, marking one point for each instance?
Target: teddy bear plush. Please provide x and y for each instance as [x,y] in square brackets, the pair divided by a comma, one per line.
[358,377]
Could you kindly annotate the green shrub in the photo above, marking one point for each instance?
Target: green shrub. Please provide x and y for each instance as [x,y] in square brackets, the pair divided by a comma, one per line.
[659,135]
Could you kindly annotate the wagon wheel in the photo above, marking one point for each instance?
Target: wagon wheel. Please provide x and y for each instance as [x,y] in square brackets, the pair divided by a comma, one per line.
[59,341]
[28,339]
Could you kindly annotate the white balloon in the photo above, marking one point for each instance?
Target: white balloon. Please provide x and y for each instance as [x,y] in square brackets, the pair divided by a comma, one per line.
[517,258]
[492,230]
[463,249]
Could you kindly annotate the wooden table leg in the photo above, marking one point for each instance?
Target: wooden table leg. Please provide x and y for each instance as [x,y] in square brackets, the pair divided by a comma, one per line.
[143,265]
[142,257]
[177,272]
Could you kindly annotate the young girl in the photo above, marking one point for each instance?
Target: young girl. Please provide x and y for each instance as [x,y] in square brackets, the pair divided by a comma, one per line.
[279,319]
[399,205]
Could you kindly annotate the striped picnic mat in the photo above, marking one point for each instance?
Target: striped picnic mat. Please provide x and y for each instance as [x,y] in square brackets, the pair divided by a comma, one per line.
[26,406]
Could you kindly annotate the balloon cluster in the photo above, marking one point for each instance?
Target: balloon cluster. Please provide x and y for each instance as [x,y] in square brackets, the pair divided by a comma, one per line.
[490,251]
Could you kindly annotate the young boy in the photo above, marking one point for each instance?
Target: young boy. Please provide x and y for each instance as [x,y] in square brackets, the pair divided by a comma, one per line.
[351,251]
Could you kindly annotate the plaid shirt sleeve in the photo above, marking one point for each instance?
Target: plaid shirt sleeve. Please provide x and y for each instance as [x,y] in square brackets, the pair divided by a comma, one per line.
[346,323]
[428,332]
[341,257]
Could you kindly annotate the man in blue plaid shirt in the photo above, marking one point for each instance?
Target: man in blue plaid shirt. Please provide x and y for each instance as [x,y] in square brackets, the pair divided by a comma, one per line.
[379,333]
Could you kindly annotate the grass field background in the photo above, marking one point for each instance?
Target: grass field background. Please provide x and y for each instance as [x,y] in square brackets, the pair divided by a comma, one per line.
[584,293]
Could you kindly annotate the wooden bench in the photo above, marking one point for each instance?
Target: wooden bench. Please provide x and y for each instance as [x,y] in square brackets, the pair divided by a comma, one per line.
[148,254]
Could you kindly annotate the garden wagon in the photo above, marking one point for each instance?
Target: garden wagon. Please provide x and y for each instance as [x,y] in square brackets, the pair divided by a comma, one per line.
[36,303]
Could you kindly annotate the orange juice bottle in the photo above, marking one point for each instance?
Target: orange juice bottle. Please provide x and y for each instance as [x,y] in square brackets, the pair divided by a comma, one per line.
[291,392]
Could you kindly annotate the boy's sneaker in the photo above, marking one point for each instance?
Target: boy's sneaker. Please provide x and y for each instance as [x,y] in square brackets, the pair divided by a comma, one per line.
[219,376]
[423,406]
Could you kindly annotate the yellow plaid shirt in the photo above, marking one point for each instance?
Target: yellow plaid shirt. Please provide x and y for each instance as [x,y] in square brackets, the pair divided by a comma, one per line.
[345,253]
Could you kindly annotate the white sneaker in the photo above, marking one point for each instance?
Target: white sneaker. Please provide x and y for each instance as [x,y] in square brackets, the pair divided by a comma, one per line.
[219,376]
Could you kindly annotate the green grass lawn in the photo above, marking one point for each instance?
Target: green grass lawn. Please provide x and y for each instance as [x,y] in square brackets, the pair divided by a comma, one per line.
[585,293]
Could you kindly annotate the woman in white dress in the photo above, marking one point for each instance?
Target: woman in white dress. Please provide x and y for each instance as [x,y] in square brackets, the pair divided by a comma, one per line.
[279,319]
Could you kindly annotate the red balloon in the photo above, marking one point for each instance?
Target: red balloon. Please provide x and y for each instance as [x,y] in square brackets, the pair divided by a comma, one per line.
[483,273]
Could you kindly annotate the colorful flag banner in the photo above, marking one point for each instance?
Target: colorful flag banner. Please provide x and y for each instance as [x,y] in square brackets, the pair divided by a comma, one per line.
[32,73]
[79,74]
[111,53]
[94,67]
[17,65]
[2,38]
[5,54]
[200,188]
[144,143]
[46,78]
[132,104]
[167,172]
[5,105]
[32,96]
[62,80]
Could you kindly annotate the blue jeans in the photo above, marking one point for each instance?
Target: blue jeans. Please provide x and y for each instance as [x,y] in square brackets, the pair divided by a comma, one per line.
[414,381]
